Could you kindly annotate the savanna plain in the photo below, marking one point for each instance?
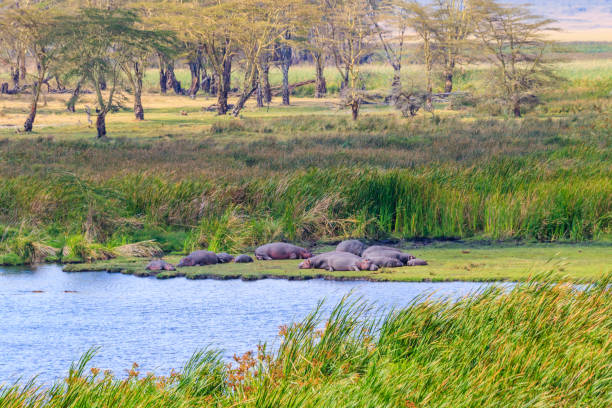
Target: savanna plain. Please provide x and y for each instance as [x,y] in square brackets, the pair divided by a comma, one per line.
[477,193]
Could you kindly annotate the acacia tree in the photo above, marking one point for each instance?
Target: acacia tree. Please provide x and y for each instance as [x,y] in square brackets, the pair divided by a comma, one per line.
[454,25]
[262,24]
[36,30]
[95,45]
[390,19]
[420,18]
[516,45]
[351,41]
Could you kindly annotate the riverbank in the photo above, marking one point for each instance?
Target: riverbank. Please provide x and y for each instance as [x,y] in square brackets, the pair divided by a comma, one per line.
[447,262]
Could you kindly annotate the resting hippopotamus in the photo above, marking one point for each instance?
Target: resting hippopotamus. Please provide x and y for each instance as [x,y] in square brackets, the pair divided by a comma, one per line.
[160,265]
[417,262]
[378,251]
[344,261]
[243,259]
[386,262]
[281,250]
[224,257]
[318,261]
[199,258]
[352,246]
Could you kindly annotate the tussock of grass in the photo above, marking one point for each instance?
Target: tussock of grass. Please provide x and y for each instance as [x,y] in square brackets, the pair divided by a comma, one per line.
[540,344]
[144,249]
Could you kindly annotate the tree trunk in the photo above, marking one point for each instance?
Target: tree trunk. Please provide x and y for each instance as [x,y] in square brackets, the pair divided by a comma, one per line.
[246,94]
[448,81]
[163,78]
[70,106]
[138,109]
[320,85]
[224,86]
[355,109]
[29,123]
[101,125]
[171,81]
[285,68]
[214,84]
[517,109]
[205,82]
[22,65]
[15,77]
[260,99]
[194,68]
[267,89]
[397,80]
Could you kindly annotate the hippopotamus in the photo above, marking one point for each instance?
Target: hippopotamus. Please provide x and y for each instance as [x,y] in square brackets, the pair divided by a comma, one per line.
[318,261]
[243,259]
[199,258]
[417,262]
[378,251]
[160,265]
[281,250]
[352,246]
[344,261]
[386,262]
[224,257]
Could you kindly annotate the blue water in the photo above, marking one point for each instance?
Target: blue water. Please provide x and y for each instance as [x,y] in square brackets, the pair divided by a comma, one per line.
[159,324]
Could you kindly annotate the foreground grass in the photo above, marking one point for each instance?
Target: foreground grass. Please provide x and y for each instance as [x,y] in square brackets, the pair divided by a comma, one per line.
[447,262]
[541,344]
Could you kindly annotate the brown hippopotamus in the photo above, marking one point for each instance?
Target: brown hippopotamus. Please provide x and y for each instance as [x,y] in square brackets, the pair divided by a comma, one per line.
[386,262]
[417,262]
[224,257]
[318,261]
[243,259]
[281,250]
[200,257]
[160,265]
[378,251]
[344,261]
[352,246]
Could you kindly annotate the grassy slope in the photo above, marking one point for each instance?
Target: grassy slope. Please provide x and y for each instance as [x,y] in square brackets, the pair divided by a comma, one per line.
[446,262]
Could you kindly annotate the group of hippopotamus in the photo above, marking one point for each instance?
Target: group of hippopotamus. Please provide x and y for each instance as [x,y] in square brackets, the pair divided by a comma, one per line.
[198,258]
[351,255]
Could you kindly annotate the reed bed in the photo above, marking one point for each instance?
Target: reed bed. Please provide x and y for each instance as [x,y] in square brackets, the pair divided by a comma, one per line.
[538,344]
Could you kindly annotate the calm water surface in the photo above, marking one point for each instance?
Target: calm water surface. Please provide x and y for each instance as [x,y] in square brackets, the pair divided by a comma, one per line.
[159,324]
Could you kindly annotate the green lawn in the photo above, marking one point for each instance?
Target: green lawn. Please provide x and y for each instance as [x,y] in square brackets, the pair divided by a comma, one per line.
[454,261]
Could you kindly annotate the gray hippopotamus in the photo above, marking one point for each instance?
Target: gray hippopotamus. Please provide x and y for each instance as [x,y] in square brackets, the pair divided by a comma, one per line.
[417,262]
[378,251]
[243,259]
[352,246]
[318,261]
[386,262]
[281,250]
[160,265]
[200,257]
[344,261]
[224,257]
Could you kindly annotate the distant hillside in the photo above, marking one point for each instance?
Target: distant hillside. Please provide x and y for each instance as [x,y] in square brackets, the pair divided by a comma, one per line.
[575,14]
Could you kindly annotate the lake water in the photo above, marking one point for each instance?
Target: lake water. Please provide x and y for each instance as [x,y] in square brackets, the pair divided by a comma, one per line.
[159,323]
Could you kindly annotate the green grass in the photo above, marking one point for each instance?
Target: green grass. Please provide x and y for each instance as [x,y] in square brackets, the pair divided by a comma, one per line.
[447,262]
[540,344]
[308,173]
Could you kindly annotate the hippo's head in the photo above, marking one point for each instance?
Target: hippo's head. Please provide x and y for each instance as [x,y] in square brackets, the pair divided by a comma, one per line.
[187,261]
[305,254]
[366,265]
[307,264]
